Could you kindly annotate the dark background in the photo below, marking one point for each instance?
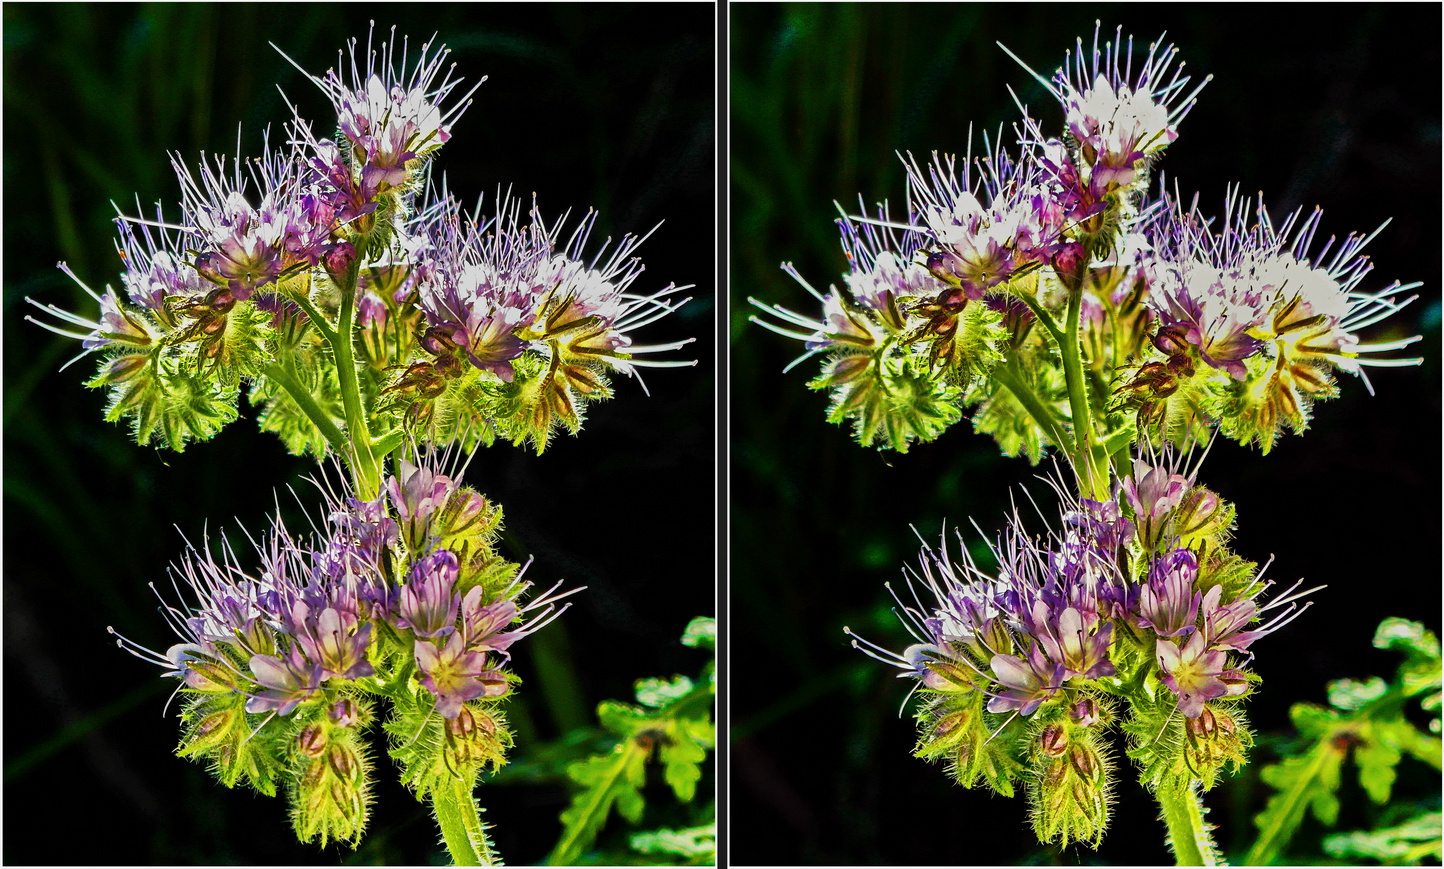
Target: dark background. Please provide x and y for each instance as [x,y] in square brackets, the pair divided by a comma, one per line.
[1338,107]
[605,106]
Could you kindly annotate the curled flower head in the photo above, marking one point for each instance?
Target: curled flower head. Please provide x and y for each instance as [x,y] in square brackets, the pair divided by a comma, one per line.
[388,117]
[979,242]
[249,242]
[1117,118]
[1252,288]
[302,629]
[499,288]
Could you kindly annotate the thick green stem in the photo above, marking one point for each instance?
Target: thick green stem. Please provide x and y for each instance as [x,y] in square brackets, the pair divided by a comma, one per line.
[366,471]
[283,374]
[1187,832]
[1092,472]
[461,827]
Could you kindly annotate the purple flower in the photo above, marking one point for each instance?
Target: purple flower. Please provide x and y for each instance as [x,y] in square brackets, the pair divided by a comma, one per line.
[977,246]
[1026,681]
[427,604]
[499,288]
[388,118]
[1196,674]
[1118,118]
[334,638]
[455,674]
[1074,639]
[1167,602]
[416,493]
[285,682]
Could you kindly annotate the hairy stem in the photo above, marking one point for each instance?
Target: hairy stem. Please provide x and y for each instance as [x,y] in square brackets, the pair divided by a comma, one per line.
[461,827]
[283,374]
[365,469]
[1008,375]
[1188,835]
[1092,473]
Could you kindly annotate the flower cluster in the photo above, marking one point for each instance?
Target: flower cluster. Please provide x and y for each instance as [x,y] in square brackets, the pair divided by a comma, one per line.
[401,597]
[1135,590]
[1183,328]
[507,297]
[468,328]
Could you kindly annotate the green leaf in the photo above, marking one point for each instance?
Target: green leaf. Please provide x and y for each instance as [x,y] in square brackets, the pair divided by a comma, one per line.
[660,692]
[697,844]
[615,778]
[1404,844]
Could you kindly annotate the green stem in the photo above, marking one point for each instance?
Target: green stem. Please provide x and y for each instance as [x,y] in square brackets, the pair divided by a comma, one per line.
[365,469]
[283,374]
[1089,468]
[1187,832]
[318,321]
[461,827]
[1008,375]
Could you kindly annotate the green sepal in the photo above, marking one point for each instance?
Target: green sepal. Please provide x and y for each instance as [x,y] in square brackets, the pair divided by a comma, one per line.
[544,395]
[976,346]
[217,729]
[164,398]
[1218,566]
[432,750]
[329,790]
[955,728]
[1069,789]
[893,403]
[240,350]
[1155,731]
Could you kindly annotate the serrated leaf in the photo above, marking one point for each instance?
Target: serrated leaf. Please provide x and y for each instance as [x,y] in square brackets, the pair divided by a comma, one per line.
[695,843]
[1403,844]
[683,757]
[660,692]
[622,719]
[612,779]
[1376,760]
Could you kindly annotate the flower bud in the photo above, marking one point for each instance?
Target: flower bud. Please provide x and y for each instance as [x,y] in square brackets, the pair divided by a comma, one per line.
[346,713]
[123,368]
[462,725]
[343,762]
[1201,515]
[1054,741]
[1086,712]
[312,741]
